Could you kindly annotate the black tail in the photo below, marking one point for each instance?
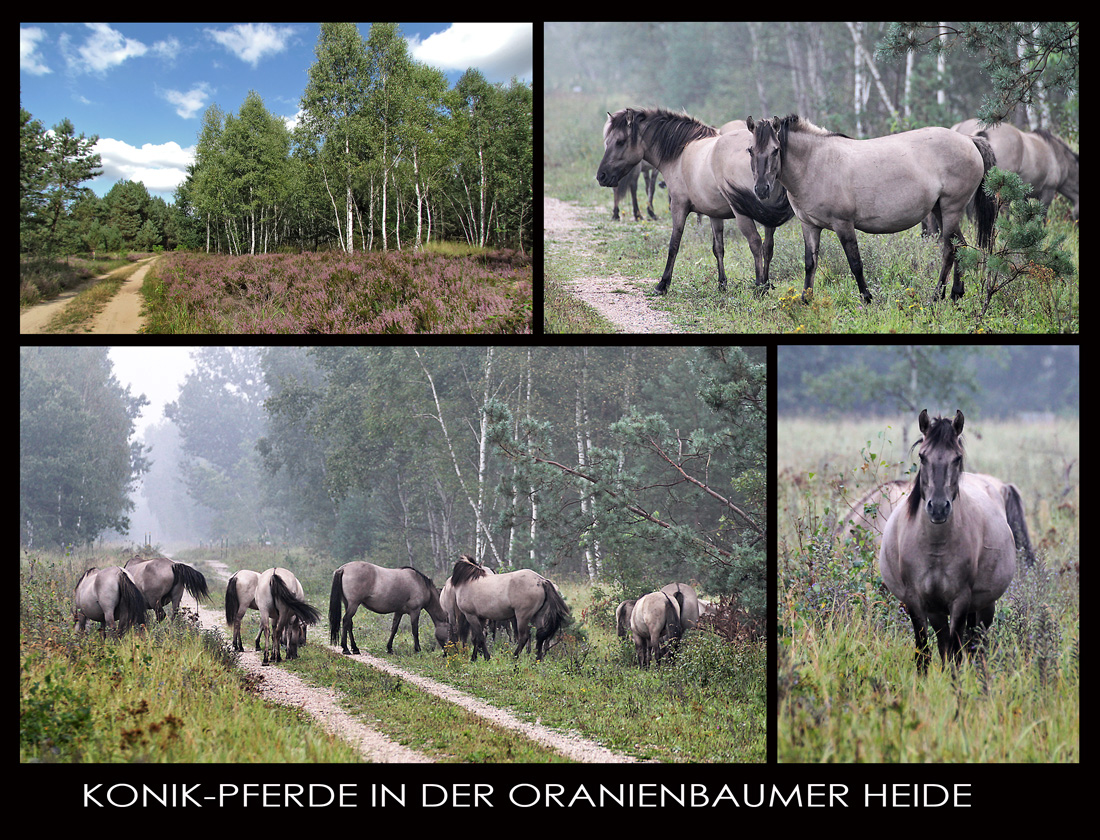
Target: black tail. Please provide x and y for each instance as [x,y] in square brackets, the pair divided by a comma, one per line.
[132,607]
[985,205]
[285,598]
[672,617]
[773,213]
[554,613]
[193,580]
[335,603]
[232,604]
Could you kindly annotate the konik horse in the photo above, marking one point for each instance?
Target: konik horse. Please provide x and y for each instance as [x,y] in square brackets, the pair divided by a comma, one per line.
[110,596]
[525,596]
[402,591]
[948,552]
[705,173]
[882,185]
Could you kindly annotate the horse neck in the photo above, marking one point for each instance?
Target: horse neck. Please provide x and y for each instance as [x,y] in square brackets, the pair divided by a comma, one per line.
[798,159]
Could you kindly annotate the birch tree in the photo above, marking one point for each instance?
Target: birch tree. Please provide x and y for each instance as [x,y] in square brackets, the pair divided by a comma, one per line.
[332,108]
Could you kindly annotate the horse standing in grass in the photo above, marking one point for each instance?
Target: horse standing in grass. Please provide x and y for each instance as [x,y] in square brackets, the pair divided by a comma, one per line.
[655,616]
[948,552]
[882,185]
[162,580]
[705,173]
[402,591]
[109,596]
[525,596]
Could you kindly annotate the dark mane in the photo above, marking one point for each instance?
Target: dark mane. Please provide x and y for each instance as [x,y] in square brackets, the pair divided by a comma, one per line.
[941,433]
[466,569]
[669,132]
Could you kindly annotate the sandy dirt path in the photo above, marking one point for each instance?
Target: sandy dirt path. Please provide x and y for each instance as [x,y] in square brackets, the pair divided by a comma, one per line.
[618,299]
[122,315]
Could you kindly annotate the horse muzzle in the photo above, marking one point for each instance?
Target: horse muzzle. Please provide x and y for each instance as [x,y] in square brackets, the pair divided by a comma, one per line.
[607,179]
[763,191]
[939,512]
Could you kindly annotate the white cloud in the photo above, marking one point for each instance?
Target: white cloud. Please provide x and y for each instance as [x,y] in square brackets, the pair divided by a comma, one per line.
[188,103]
[29,59]
[499,50]
[161,167]
[251,42]
[106,48]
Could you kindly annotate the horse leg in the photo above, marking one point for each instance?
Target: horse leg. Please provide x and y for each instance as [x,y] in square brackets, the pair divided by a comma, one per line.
[348,632]
[265,631]
[941,624]
[920,633]
[761,254]
[949,258]
[847,234]
[477,631]
[812,237]
[523,637]
[393,631]
[718,248]
[414,618]
[679,216]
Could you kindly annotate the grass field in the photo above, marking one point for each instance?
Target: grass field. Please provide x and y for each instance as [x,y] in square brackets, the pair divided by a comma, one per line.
[847,684]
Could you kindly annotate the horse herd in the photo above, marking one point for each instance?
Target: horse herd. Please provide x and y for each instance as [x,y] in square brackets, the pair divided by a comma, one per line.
[471,600]
[767,171]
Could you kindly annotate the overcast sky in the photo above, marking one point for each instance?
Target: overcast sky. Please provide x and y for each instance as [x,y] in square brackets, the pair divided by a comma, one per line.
[143,87]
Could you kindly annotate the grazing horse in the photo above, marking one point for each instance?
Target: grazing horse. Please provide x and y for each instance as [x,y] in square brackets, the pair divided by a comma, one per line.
[402,591]
[281,599]
[948,552]
[655,615]
[525,596]
[882,185]
[705,173]
[162,580]
[240,597]
[109,596]
[622,616]
[1040,158]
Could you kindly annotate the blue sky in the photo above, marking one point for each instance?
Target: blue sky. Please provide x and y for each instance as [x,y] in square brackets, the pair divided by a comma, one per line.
[143,87]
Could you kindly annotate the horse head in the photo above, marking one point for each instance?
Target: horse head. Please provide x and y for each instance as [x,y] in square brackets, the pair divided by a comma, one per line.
[623,146]
[765,155]
[941,464]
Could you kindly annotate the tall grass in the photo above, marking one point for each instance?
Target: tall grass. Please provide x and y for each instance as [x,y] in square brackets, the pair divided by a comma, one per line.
[170,694]
[848,686]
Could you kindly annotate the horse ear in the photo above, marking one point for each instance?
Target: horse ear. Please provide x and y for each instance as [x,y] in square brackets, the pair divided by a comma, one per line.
[958,424]
[749,123]
[922,421]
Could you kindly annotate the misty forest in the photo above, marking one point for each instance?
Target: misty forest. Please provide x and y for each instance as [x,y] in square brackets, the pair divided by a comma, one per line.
[383,156]
[625,464]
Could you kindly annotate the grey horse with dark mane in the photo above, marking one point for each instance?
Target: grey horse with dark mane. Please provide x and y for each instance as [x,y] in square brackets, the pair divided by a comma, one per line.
[525,596]
[705,173]
[881,185]
[403,591]
[948,552]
